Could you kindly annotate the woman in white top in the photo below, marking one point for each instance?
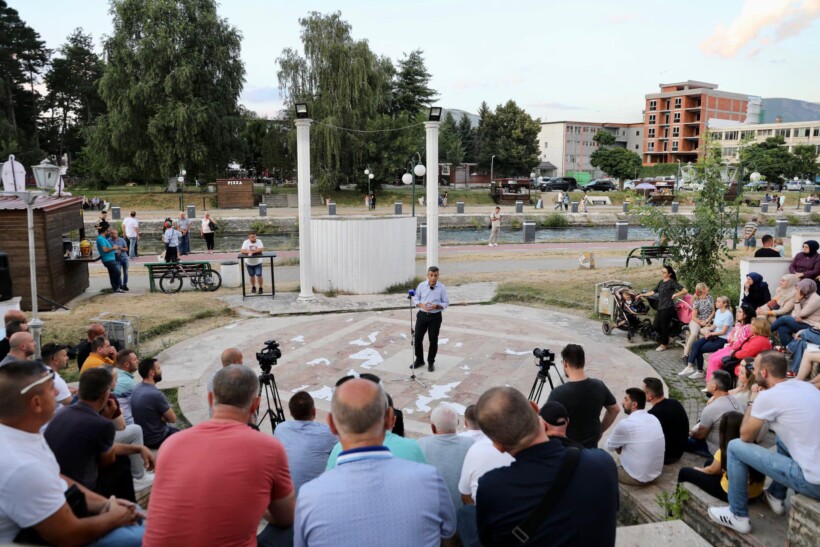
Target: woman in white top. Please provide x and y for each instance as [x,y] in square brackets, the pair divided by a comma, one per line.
[206,229]
[714,338]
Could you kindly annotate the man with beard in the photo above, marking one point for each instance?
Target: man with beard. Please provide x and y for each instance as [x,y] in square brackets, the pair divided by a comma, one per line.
[149,406]
[638,441]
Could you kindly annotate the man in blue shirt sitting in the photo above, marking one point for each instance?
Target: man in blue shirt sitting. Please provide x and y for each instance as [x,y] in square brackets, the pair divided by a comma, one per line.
[371,498]
[431,300]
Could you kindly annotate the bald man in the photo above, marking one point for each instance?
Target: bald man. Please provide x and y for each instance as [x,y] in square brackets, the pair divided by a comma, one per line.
[21,324]
[445,450]
[230,356]
[21,346]
[408,499]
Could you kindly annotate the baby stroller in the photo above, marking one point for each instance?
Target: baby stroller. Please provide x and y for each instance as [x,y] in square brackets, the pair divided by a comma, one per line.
[679,328]
[630,314]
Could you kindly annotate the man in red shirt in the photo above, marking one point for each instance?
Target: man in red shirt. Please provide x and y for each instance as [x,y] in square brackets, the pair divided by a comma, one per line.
[220,499]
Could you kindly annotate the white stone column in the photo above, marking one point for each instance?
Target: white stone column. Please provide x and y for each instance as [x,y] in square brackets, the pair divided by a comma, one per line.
[303,176]
[431,159]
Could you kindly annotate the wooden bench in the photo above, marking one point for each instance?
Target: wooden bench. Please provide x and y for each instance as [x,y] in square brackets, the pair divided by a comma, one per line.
[157,269]
[646,254]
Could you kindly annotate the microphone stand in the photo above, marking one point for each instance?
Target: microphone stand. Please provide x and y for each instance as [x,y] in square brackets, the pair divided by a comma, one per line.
[412,378]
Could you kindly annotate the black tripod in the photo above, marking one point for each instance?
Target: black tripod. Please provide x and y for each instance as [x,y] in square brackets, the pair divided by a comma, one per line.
[276,415]
[412,376]
[538,384]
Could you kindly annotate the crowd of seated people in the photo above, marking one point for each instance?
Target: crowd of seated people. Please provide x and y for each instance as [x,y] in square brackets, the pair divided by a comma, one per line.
[72,460]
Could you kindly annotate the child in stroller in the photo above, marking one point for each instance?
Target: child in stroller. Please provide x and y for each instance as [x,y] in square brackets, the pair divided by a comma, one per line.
[629,314]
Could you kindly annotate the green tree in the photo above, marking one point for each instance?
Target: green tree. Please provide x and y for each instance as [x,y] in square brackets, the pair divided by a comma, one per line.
[604,138]
[512,135]
[616,162]
[770,158]
[266,145]
[412,90]
[468,137]
[698,244]
[480,140]
[346,86]
[451,149]
[73,98]
[171,85]
[23,56]
[804,163]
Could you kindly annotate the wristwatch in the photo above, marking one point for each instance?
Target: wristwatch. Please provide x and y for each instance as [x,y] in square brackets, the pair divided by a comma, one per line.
[748,404]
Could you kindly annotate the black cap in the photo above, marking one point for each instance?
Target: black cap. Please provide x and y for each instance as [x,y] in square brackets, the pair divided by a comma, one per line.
[554,413]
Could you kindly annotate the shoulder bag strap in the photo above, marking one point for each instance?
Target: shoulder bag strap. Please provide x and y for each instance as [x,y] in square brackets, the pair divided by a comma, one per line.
[525,529]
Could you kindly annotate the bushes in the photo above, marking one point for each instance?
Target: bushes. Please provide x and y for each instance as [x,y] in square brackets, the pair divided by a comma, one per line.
[554,220]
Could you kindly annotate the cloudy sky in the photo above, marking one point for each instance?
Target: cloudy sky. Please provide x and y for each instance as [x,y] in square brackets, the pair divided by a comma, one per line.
[559,60]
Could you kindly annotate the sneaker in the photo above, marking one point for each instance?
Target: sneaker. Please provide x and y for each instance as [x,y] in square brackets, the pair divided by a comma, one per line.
[125,288]
[661,348]
[724,517]
[687,371]
[790,374]
[417,364]
[259,290]
[776,505]
[253,290]
[697,375]
[118,290]
[431,367]
[144,482]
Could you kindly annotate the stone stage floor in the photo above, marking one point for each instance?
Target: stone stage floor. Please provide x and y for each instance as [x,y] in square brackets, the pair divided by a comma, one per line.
[480,346]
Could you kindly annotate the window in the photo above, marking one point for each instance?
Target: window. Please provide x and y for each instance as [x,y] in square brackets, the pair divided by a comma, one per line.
[677,117]
[676,131]
[677,102]
[638,133]
[636,147]
[716,136]
[651,132]
[674,146]
[665,146]
[730,151]
[747,134]
[730,136]
[653,105]
[785,133]
[665,132]
[806,131]
[668,102]
[816,132]
[817,148]
[650,146]
[764,132]
[651,119]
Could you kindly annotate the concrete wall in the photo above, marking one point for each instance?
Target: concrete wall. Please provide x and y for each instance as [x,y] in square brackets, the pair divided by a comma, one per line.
[362,255]
[799,238]
[772,269]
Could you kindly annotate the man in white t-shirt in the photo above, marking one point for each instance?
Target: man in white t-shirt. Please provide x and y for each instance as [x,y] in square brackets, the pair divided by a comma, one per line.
[32,491]
[253,246]
[471,423]
[639,442]
[131,227]
[55,356]
[792,409]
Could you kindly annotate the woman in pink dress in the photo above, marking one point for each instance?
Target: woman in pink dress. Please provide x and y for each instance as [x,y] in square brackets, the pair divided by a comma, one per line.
[737,336]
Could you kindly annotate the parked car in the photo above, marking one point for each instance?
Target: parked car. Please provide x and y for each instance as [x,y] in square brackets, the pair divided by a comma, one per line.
[601,185]
[760,185]
[630,184]
[800,185]
[559,183]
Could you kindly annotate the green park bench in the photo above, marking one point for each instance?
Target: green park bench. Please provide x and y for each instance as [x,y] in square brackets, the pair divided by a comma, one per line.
[647,254]
[157,269]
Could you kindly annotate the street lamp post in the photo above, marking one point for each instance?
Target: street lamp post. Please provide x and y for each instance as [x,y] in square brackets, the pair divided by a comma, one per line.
[492,160]
[415,169]
[799,191]
[370,176]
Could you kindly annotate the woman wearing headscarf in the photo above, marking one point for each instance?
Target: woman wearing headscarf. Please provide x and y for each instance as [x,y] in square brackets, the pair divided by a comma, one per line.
[783,301]
[806,312]
[807,264]
[668,290]
[755,291]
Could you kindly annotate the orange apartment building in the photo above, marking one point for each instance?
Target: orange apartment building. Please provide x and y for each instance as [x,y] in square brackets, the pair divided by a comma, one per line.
[675,120]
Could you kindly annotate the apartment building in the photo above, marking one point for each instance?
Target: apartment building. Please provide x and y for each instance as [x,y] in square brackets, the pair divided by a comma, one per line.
[730,136]
[675,119]
[568,145]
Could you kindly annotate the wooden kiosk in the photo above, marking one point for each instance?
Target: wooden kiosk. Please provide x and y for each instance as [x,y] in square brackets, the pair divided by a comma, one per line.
[60,278]
[236,193]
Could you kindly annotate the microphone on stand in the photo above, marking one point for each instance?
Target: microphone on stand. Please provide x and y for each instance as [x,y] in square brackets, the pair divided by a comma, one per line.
[410,294]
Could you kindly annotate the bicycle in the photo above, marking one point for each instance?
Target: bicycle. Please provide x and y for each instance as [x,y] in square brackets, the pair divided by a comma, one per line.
[201,278]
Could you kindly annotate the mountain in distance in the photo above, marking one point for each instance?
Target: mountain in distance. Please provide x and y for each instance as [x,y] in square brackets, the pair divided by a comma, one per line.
[791,110]
[458,114]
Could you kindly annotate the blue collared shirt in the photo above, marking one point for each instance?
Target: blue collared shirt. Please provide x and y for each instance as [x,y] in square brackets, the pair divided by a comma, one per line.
[372,498]
[435,295]
[308,445]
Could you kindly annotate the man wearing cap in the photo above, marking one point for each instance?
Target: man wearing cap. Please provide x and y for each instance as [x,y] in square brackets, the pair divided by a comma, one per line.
[556,420]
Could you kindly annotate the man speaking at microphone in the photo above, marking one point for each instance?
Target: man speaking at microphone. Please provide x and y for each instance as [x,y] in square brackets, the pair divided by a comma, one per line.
[431,299]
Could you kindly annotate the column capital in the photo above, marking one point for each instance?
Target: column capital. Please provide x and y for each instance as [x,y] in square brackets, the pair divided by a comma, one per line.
[432,125]
[304,122]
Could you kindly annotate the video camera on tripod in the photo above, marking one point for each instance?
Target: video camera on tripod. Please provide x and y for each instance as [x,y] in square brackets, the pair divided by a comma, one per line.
[267,359]
[544,360]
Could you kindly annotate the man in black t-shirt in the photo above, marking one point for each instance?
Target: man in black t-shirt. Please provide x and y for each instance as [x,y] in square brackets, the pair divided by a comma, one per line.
[768,250]
[673,419]
[584,398]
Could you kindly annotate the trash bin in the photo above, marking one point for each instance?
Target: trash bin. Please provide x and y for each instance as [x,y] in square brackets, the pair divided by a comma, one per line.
[192,211]
[764,208]
[675,206]
[807,208]
[263,209]
[231,274]
[780,226]
[621,230]
[460,207]
[529,232]
[115,213]
[573,207]
[519,206]
[423,233]
[626,207]
[397,208]
[331,209]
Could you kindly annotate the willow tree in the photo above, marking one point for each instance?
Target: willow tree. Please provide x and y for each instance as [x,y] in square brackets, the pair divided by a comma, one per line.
[171,84]
[345,85]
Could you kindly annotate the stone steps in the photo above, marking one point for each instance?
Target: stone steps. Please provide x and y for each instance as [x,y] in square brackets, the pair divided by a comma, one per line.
[673,532]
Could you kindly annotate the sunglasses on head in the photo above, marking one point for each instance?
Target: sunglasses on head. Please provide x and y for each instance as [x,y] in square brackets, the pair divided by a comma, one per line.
[42,380]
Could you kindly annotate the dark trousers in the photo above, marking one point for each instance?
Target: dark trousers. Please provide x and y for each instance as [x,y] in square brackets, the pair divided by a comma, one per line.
[705,345]
[115,480]
[169,430]
[708,483]
[113,268]
[662,320]
[171,254]
[209,241]
[185,244]
[427,322]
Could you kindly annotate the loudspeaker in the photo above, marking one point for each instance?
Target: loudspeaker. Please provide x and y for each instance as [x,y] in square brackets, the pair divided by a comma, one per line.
[5,278]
